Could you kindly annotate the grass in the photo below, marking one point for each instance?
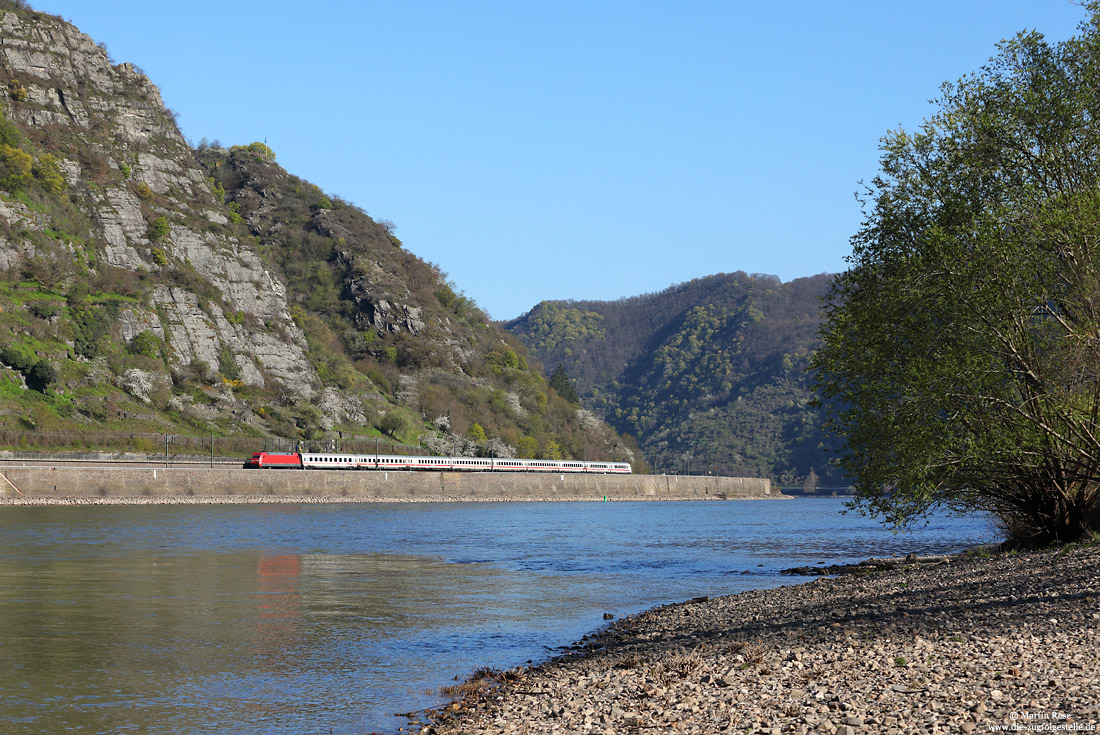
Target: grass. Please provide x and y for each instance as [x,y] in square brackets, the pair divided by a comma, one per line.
[481,681]
[683,665]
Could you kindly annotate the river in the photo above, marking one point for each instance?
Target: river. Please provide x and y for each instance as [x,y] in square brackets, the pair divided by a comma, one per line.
[291,619]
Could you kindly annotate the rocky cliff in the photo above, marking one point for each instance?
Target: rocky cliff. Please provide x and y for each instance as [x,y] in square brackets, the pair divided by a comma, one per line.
[125,166]
[145,285]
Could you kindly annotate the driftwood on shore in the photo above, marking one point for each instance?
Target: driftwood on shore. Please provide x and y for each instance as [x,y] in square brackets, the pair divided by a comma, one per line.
[867,566]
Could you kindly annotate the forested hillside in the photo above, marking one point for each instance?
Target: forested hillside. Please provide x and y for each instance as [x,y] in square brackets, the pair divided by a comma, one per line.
[709,375]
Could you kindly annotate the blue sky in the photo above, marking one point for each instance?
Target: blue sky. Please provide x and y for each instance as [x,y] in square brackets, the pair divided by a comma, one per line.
[584,150]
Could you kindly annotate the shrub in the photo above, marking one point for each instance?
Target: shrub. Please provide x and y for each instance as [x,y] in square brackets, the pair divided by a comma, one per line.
[17,91]
[227,363]
[158,231]
[90,326]
[145,343]
[198,370]
[159,257]
[446,295]
[379,379]
[235,212]
[9,134]
[15,168]
[144,193]
[15,358]
[42,375]
[44,309]
[48,173]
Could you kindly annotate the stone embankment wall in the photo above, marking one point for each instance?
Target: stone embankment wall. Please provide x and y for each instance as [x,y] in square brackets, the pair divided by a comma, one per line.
[47,483]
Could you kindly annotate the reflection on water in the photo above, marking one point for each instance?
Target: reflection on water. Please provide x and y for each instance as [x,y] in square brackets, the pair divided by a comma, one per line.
[291,619]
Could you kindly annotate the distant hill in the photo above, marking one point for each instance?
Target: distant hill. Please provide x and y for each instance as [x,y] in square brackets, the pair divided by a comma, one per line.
[708,375]
[146,286]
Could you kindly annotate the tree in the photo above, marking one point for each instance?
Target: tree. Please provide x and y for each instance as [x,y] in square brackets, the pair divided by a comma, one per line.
[42,376]
[961,364]
[561,383]
[392,423]
[527,447]
[257,149]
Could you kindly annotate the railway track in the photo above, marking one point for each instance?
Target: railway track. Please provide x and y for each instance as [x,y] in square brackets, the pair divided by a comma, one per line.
[189,463]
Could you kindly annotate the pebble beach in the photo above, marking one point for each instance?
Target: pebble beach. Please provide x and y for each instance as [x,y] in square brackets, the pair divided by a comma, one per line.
[978,642]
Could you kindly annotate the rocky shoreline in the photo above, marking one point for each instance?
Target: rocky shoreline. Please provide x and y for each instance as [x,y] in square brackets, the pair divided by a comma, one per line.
[972,643]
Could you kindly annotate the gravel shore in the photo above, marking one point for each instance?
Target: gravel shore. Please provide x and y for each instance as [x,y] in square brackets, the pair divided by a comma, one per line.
[968,643]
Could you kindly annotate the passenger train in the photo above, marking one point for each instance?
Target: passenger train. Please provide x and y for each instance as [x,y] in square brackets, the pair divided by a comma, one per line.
[338,461]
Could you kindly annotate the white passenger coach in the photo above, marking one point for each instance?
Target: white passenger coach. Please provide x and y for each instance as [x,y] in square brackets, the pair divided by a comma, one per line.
[338,461]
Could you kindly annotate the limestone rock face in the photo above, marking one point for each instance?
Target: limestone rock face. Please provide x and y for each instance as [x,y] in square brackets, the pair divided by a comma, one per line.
[376,311]
[132,322]
[128,167]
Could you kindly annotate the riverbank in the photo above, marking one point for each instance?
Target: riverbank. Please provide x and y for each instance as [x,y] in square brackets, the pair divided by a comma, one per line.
[973,643]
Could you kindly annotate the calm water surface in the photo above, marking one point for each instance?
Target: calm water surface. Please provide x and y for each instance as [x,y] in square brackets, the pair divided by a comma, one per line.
[329,619]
